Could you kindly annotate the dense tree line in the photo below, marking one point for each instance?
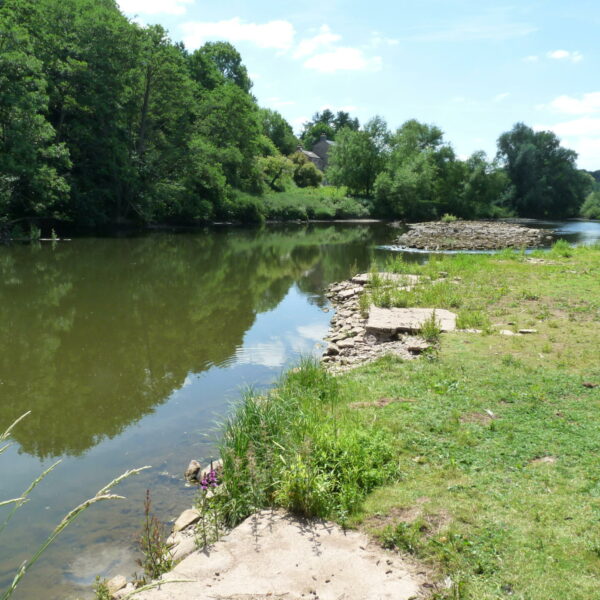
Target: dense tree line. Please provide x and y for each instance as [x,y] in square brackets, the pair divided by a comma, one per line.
[104,121]
[414,174]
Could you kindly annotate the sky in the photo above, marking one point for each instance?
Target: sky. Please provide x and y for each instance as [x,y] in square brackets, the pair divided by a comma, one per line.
[473,68]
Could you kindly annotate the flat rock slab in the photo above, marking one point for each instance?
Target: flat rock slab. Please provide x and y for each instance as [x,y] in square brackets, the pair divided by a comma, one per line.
[389,321]
[403,278]
[275,555]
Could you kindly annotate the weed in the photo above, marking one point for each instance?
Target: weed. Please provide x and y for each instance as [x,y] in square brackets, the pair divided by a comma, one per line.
[101,495]
[562,248]
[101,590]
[448,218]
[156,558]
[431,330]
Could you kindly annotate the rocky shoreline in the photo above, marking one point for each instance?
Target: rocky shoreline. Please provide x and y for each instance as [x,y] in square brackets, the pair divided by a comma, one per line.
[356,338]
[472,235]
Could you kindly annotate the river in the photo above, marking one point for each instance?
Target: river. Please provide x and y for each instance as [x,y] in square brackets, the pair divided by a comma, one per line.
[128,351]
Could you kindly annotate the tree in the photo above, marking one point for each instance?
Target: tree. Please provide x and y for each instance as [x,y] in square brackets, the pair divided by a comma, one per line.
[327,123]
[545,182]
[216,63]
[32,162]
[305,173]
[278,130]
[359,156]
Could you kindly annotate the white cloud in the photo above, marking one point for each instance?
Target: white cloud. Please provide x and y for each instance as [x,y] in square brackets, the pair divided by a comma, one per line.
[343,59]
[298,122]
[378,39]
[586,105]
[587,126]
[582,135]
[324,39]
[532,58]
[565,55]
[501,97]
[154,7]
[271,354]
[314,332]
[274,34]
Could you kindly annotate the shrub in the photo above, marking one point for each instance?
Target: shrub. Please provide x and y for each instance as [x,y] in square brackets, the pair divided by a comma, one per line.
[305,173]
[448,218]
[591,207]
[293,449]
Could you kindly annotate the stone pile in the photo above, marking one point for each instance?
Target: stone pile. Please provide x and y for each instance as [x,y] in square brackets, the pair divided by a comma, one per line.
[472,235]
[351,341]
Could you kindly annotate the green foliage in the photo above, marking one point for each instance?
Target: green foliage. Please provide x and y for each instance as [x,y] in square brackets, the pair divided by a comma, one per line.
[431,330]
[306,173]
[544,179]
[101,591]
[562,248]
[448,218]
[278,130]
[590,209]
[327,123]
[276,171]
[297,449]
[359,156]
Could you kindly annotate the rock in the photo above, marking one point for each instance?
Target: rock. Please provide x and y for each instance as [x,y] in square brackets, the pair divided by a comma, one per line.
[186,518]
[390,321]
[402,278]
[182,543]
[347,343]
[346,294]
[122,593]
[527,331]
[416,345]
[191,473]
[506,332]
[471,235]
[332,350]
[118,582]
[215,465]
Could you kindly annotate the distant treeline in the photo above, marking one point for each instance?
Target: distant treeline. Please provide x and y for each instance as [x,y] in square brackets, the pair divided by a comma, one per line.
[103,121]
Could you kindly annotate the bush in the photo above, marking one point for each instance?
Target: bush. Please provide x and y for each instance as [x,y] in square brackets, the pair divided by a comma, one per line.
[305,173]
[448,218]
[297,449]
[591,207]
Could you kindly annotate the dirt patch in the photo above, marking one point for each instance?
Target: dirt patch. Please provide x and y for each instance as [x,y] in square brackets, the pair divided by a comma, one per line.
[480,418]
[544,460]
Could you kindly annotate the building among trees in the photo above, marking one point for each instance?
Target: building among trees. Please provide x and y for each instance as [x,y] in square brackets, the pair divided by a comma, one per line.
[319,155]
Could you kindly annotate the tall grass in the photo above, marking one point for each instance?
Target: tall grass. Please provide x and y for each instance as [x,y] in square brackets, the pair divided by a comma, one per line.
[299,448]
[103,494]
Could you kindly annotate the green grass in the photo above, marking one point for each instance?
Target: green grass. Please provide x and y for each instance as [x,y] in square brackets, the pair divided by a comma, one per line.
[490,474]
[322,203]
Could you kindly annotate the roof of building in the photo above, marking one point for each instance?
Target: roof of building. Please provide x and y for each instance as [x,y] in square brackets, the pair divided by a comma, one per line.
[309,154]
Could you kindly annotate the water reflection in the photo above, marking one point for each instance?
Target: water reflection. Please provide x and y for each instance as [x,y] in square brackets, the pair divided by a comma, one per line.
[98,332]
[126,351]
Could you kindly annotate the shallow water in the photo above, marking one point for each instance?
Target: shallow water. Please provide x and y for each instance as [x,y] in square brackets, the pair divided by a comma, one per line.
[127,351]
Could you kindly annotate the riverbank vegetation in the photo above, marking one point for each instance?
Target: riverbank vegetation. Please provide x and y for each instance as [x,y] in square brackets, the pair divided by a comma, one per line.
[482,461]
[106,122]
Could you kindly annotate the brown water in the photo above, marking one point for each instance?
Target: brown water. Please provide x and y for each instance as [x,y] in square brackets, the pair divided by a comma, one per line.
[127,351]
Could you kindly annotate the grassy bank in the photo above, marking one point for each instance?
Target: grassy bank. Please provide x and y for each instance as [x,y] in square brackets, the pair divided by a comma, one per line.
[487,465]
[321,203]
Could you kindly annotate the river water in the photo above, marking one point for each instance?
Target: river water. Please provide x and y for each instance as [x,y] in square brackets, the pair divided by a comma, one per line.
[128,351]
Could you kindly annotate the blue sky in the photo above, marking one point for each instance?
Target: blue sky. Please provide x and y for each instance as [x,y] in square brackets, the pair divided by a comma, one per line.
[472,68]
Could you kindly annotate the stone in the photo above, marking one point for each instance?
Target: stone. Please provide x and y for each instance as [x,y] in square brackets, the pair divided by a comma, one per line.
[332,350]
[416,345]
[390,321]
[346,294]
[347,343]
[527,331]
[124,592]
[507,332]
[118,582]
[191,473]
[185,519]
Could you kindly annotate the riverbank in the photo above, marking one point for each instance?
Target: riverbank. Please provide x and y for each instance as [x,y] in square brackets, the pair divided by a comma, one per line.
[479,460]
